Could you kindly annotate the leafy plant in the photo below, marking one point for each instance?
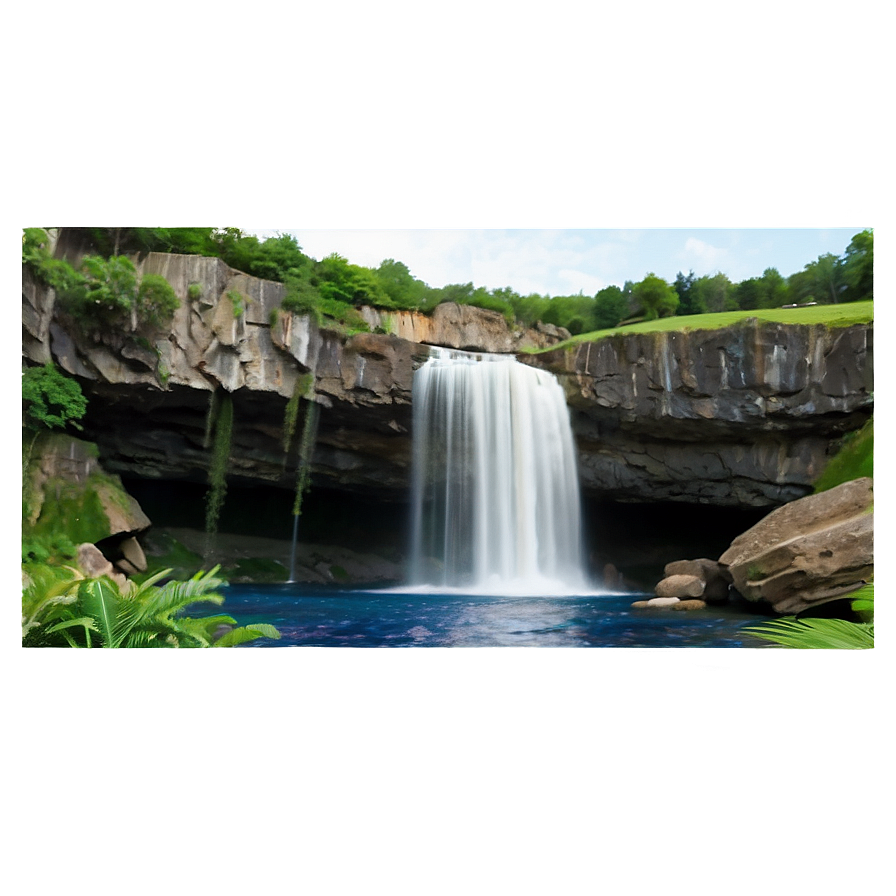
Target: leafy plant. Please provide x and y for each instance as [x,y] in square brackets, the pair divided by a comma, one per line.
[854,459]
[194,291]
[824,633]
[51,400]
[238,301]
[62,607]
[156,301]
[816,633]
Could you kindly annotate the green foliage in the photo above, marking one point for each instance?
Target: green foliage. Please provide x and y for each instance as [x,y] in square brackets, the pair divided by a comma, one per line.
[656,297]
[403,289]
[303,388]
[106,293]
[610,307]
[60,607]
[853,460]
[54,548]
[50,399]
[220,432]
[816,633]
[238,301]
[156,301]
[194,291]
[858,267]
[35,245]
[306,448]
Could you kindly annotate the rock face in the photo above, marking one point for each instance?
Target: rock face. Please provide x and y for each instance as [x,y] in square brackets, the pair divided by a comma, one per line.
[69,489]
[741,416]
[744,416]
[808,552]
[680,586]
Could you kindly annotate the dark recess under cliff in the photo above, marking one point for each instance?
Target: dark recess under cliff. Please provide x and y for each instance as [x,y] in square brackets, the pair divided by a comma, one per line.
[638,539]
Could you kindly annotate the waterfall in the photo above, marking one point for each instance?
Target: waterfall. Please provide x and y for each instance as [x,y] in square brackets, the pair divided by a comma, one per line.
[495,488]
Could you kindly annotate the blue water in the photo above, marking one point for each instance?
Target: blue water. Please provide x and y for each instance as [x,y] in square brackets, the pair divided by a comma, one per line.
[315,617]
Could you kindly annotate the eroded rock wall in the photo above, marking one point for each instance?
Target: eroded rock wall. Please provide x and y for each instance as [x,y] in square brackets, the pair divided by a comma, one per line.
[742,416]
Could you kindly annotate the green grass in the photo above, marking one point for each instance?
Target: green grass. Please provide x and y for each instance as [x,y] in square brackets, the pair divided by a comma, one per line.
[830,315]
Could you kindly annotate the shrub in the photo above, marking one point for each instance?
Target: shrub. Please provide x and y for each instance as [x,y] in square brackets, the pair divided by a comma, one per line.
[51,400]
[156,301]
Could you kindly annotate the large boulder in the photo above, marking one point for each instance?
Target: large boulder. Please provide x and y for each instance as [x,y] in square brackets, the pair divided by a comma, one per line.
[680,586]
[808,552]
[66,489]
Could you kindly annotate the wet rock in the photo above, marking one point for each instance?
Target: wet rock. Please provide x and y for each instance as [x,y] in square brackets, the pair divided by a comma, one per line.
[92,562]
[808,552]
[662,601]
[690,605]
[716,578]
[133,553]
[680,586]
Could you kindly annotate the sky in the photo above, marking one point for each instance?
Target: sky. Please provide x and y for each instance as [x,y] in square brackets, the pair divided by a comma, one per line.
[564,262]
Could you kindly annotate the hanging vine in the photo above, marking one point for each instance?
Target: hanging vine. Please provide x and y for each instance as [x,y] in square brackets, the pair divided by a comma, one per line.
[306,447]
[219,430]
[304,388]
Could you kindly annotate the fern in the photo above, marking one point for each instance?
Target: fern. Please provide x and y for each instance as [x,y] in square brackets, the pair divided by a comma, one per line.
[816,633]
[246,634]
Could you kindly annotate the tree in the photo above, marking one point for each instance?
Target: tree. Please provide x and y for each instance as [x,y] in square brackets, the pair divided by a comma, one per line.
[713,293]
[400,285]
[610,307]
[656,297]
[689,300]
[858,267]
[774,289]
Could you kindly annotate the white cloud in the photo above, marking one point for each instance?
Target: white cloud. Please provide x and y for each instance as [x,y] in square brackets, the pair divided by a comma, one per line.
[703,255]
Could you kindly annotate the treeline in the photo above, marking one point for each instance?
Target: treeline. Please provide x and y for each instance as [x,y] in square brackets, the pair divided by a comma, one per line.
[334,287]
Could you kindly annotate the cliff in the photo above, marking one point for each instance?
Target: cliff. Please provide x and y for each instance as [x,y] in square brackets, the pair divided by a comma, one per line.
[741,416]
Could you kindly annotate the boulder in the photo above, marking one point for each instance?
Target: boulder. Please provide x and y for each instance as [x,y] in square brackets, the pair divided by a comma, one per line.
[133,553]
[92,562]
[662,601]
[715,577]
[680,586]
[690,605]
[611,577]
[808,552]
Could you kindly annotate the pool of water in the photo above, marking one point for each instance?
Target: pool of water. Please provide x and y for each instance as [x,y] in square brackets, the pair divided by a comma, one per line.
[315,617]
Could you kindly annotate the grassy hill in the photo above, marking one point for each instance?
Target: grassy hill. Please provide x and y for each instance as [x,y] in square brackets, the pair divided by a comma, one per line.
[830,315]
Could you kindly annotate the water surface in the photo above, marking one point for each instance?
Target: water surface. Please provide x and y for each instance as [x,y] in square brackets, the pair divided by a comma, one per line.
[311,616]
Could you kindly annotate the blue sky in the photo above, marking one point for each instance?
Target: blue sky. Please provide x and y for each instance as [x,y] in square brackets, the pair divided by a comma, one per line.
[562,262]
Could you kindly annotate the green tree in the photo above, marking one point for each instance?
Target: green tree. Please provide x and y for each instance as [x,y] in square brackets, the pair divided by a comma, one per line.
[656,297]
[690,301]
[858,267]
[713,293]
[610,307]
[396,280]
[775,292]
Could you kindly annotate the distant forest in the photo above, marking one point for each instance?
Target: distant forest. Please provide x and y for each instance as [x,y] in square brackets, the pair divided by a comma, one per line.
[333,287]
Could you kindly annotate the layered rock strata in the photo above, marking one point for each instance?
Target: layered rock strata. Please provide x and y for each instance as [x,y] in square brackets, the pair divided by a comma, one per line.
[743,416]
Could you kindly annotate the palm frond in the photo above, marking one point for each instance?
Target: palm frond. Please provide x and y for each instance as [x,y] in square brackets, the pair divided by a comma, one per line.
[100,598]
[247,633]
[816,633]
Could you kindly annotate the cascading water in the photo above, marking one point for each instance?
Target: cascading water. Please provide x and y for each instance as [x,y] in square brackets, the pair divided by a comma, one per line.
[495,486]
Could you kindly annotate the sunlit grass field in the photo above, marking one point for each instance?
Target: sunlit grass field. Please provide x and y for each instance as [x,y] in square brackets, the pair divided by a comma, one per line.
[831,315]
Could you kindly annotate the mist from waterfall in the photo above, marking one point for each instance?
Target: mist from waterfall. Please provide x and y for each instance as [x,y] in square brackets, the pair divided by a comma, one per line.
[496,504]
